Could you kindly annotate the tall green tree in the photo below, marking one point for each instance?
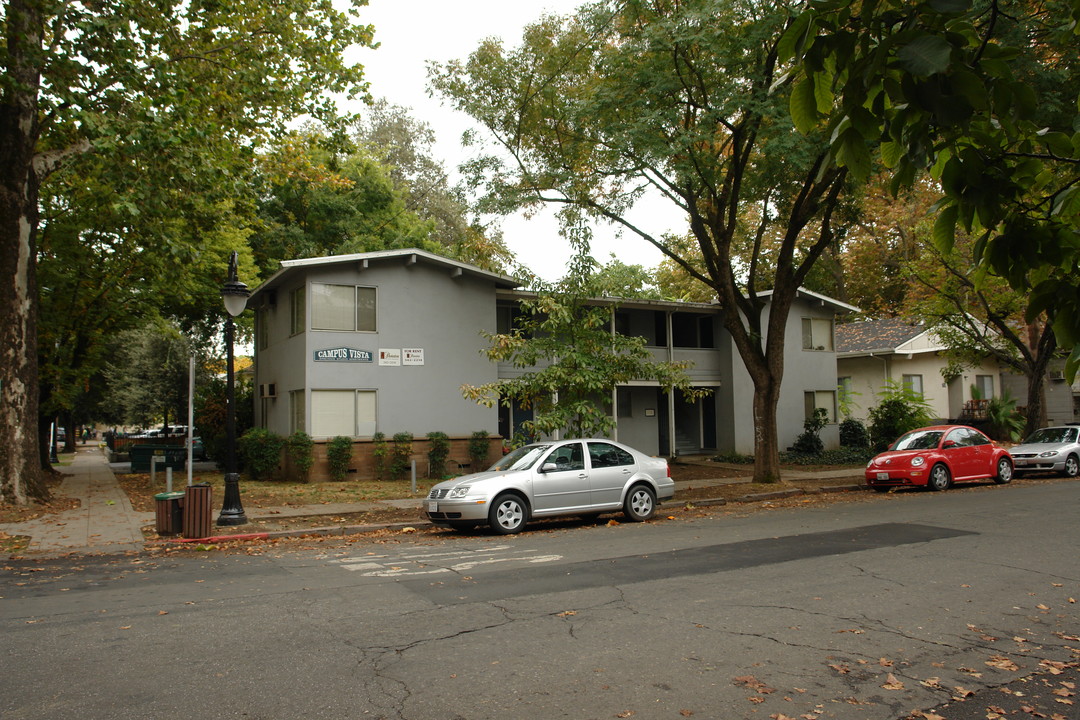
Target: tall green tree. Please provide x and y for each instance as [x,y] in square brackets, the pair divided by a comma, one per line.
[686,100]
[326,198]
[572,360]
[983,95]
[978,316]
[195,83]
[406,147]
[148,374]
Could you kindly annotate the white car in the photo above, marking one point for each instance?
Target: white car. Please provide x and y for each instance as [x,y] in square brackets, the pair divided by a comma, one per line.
[547,479]
[1053,449]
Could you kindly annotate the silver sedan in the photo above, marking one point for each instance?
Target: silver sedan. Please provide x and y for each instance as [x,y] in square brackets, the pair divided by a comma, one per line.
[1056,449]
[548,479]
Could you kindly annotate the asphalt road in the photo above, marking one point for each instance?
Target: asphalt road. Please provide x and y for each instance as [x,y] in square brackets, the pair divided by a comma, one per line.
[870,610]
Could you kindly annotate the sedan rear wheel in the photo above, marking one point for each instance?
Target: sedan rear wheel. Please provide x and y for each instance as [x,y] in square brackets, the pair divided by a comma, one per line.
[508,514]
[1072,466]
[640,503]
[1004,471]
[939,478]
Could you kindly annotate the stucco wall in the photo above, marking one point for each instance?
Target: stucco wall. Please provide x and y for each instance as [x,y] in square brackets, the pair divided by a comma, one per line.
[870,374]
[418,306]
[804,371]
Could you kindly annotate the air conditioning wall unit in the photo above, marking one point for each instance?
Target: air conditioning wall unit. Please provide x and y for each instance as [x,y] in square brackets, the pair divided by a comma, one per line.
[1056,374]
[268,390]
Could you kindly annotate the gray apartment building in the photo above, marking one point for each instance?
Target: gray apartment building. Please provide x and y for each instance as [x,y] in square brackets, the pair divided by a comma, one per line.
[382,342]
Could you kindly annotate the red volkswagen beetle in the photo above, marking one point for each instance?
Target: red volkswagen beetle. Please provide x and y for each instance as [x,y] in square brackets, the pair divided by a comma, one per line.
[938,456]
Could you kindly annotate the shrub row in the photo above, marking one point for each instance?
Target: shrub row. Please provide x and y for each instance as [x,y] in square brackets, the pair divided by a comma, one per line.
[260,452]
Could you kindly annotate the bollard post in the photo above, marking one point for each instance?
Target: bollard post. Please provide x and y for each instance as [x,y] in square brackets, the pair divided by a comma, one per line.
[168,478]
[153,470]
[414,477]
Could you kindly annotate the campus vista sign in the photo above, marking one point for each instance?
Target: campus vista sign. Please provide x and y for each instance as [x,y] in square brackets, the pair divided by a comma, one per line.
[343,354]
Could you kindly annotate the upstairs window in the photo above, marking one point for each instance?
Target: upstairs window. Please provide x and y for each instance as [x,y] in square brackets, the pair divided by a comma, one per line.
[817,334]
[346,308]
[297,311]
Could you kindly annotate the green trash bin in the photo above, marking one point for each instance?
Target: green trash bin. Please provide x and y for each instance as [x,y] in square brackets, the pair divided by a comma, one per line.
[169,513]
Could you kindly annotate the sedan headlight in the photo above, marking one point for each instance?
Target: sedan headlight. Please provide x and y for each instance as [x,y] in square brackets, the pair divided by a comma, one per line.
[918,461]
[1048,453]
[459,492]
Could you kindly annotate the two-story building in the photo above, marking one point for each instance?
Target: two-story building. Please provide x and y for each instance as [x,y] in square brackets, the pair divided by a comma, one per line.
[355,344]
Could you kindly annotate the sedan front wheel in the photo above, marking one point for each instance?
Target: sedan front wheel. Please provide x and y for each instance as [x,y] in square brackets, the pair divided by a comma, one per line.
[508,514]
[1072,466]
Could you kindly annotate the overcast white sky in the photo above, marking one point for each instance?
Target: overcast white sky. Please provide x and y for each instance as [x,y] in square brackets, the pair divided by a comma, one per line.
[411,32]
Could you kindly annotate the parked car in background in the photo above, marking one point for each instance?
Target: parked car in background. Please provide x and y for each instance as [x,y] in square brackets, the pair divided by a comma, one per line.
[547,479]
[936,457]
[1053,449]
[198,450]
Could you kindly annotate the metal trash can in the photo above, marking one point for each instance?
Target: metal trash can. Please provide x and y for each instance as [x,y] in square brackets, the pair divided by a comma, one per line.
[197,511]
[168,513]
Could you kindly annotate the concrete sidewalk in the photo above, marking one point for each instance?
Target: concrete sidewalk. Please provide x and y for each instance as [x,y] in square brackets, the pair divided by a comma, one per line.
[103,522]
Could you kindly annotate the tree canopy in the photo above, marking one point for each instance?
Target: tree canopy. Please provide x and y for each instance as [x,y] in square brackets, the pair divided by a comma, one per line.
[172,100]
[982,95]
[571,359]
[686,100]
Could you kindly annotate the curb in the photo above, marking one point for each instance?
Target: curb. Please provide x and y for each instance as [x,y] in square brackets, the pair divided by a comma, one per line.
[342,530]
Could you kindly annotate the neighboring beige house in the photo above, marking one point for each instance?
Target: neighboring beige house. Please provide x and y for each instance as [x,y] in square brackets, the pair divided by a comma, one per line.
[872,353]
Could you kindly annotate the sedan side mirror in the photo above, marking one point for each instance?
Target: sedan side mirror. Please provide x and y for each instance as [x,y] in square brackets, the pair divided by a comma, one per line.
[549,467]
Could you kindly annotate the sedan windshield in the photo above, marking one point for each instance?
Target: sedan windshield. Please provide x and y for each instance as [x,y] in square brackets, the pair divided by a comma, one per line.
[521,459]
[1052,435]
[921,440]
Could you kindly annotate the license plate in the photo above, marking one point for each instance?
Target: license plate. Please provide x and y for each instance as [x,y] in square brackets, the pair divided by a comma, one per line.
[883,476]
[1021,462]
[433,507]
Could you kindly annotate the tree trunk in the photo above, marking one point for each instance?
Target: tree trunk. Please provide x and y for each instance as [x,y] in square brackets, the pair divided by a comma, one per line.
[766,441]
[20,472]
[1042,346]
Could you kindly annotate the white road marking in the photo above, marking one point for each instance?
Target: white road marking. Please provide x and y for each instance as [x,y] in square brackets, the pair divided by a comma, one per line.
[437,563]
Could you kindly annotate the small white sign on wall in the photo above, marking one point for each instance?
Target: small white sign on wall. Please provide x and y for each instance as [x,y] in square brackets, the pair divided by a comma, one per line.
[412,356]
[389,356]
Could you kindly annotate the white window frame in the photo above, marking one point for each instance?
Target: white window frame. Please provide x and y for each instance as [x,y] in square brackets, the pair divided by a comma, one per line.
[318,311]
[297,411]
[297,311]
[914,383]
[825,399]
[817,334]
[356,412]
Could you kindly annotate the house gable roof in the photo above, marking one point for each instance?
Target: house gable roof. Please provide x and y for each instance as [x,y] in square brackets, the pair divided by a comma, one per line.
[888,335]
[408,256]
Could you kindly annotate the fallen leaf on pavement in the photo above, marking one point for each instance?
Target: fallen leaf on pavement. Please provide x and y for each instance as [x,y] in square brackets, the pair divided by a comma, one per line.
[752,682]
[1002,663]
[891,683]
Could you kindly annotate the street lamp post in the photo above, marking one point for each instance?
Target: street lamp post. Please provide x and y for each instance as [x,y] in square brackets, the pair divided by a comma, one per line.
[235,295]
